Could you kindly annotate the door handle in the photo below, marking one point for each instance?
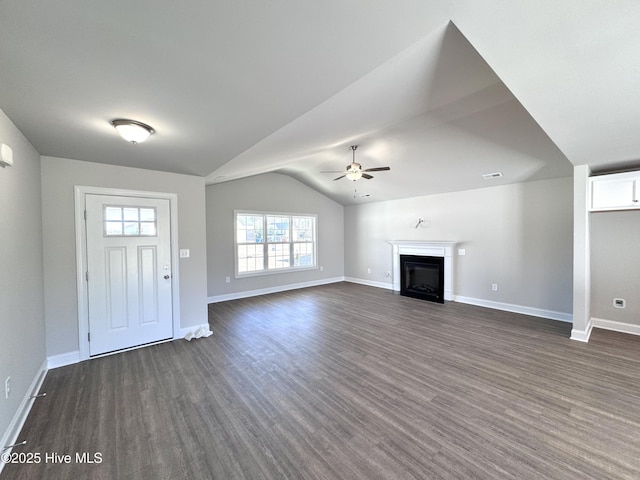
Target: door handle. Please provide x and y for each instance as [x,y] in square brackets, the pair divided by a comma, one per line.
[167,277]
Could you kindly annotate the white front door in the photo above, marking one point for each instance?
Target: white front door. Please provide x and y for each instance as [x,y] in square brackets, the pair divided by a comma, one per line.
[128,271]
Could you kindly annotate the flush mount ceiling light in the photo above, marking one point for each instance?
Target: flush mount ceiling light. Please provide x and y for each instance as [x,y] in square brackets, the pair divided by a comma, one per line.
[132,131]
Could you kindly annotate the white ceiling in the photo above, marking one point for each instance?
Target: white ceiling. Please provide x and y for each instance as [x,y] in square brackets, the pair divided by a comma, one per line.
[440,91]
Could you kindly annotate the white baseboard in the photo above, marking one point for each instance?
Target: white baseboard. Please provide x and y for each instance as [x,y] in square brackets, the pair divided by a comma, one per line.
[70,358]
[582,335]
[534,312]
[10,436]
[615,326]
[279,288]
[508,307]
[63,359]
[361,281]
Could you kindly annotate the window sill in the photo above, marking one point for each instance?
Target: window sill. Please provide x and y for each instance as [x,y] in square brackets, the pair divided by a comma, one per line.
[262,273]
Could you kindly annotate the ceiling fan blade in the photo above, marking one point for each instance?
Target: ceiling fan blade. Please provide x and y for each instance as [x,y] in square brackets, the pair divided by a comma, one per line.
[342,176]
[332,171]
[377,169]
[367,176]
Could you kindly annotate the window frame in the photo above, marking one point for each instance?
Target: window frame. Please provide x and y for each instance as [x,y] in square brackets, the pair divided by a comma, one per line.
[265,243]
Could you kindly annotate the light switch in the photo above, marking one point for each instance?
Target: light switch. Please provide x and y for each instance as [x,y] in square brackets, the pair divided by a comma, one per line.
[184,253]
[462,251]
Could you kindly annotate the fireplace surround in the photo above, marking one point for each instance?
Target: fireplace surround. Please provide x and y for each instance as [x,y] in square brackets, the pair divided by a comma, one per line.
[443,249]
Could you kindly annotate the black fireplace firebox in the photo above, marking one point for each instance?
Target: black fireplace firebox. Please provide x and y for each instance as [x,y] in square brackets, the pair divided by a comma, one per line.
[422,277]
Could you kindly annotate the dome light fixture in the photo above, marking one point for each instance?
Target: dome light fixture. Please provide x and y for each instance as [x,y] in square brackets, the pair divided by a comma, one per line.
[132,131]
[354,174]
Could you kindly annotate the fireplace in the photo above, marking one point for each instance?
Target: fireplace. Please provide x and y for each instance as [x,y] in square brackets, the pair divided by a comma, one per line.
[418,248]
[422,277]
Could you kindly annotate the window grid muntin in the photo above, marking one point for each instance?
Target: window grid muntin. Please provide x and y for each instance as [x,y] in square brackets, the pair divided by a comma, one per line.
[301,252]
[129,221]
[281,251]
[251,257]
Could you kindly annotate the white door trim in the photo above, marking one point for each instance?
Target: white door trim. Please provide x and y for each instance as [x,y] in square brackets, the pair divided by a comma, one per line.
[81,256]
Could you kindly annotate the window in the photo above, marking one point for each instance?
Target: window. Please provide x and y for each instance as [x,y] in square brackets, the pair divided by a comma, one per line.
[129,221]
[273,242]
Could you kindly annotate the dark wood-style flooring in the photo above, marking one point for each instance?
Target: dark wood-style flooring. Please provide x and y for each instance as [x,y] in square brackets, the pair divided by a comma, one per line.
[349,382]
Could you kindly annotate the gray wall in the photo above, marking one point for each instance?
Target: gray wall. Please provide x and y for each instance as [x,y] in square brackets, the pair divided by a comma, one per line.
[615,265]
[518,236]
[277,193]
[59,176]
[22,338]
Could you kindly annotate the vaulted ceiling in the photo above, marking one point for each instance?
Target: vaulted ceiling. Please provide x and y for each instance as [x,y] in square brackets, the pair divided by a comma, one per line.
[441,91]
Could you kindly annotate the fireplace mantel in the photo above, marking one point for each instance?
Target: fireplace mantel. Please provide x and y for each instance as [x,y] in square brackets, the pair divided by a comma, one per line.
[425,249]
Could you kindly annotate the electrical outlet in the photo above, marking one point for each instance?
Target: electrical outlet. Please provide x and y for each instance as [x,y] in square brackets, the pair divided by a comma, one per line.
[619,302]
[368,270]
[494,287]
[227,279]
[7,387]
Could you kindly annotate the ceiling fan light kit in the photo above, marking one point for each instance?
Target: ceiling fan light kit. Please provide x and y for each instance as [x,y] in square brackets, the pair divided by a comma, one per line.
[354,175]
[354,171]
[132,131]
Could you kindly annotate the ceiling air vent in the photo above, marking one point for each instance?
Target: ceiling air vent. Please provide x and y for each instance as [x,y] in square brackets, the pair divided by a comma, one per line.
[488,176]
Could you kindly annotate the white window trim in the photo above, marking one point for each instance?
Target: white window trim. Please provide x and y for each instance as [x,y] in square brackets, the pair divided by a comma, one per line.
[260,273]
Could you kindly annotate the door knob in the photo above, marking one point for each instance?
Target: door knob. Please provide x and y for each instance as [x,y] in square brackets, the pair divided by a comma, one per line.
[167,277]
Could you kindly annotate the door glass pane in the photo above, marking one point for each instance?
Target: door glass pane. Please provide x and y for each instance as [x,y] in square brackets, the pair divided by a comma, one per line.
[131,228]
[131,214]
[113,228]
[147,214]
[148,229]
[113,213]
[130,221]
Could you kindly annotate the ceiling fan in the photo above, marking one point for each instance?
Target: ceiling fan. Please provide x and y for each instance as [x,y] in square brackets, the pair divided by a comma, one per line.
[354,171]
